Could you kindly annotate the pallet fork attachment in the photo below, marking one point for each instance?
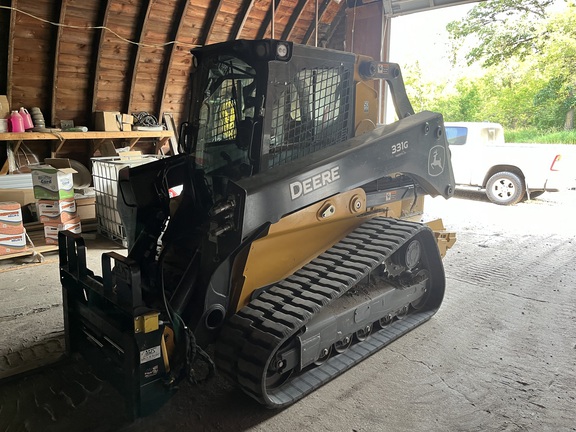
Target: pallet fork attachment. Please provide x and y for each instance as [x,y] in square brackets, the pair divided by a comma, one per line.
[120,338]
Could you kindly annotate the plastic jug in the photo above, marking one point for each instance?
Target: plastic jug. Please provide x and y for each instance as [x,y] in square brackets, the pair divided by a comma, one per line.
[15,122]
[26,118]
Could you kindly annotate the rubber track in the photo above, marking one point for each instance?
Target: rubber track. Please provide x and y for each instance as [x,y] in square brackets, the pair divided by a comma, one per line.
[251,337]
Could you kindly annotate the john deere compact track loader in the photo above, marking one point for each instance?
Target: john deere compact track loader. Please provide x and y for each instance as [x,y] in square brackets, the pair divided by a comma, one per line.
[295,246]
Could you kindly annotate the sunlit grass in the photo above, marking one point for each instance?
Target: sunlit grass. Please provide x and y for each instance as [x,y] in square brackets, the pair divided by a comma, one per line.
[538,136]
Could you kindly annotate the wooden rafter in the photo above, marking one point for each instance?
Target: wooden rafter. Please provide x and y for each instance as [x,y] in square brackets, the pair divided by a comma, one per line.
[99,43]
[336,22]
[54,52]
[267,20]
[63,7]
[11,52]
[143,21]
[213,12]
[294,17]
[5,15]
[181,12]
[241,18]
[312,27]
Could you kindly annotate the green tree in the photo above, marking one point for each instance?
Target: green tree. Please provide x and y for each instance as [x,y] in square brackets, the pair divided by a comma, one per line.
[508,94]
[557,98]
[461,104]
[529,58]
[501,29]
[414,86]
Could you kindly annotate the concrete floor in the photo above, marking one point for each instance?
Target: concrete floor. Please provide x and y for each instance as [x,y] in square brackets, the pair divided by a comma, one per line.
[500,355]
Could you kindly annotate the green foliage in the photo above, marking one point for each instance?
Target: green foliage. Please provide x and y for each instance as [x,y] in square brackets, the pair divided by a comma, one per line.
[534,135]
[550,110]
[503,29]
[463,107]
[528,63]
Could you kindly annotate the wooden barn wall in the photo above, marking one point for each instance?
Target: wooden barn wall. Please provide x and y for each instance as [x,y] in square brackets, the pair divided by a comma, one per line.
[72,91]
[30,68]
[145,91]
[73,57]
[114,55]
[4,38]
[31,55]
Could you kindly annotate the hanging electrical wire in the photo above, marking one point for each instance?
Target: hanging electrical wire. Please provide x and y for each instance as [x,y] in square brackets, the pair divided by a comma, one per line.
[174,42]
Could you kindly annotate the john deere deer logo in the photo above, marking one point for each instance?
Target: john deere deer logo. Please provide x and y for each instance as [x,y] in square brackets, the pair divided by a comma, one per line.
[436,159]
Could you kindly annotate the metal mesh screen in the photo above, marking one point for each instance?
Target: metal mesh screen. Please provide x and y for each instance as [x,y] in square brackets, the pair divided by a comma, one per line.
[310,114]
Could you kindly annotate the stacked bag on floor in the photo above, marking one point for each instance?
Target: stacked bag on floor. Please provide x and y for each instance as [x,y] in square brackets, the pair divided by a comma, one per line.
[12,232]
[56,207]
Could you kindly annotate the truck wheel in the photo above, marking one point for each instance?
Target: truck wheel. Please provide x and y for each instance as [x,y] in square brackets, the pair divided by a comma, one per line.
[505,188]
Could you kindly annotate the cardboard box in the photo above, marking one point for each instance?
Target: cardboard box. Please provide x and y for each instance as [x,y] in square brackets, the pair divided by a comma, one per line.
[112,121]
[4,107]
[52,183]
[51,230]
[21,196]
[86,212]
[12,243]
[127,122]
[50,211]
[83,200]
[86,208]
[11,218]
[107,121]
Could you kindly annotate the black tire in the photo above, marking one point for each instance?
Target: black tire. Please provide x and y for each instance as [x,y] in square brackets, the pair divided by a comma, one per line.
[505,188]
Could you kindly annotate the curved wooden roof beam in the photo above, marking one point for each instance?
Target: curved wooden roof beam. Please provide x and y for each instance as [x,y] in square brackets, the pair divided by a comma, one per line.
[336,22]
[268,20]
[181,12]
[312,28]
[294,17]
[103,21]
[241,19]
[210,21]
[143,21]
[63,6]
[10,71]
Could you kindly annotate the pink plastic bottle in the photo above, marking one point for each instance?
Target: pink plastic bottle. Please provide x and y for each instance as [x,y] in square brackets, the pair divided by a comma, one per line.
[15,122]
[26,118]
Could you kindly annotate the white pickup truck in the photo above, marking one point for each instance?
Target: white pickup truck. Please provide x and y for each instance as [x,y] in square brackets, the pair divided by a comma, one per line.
[507,172]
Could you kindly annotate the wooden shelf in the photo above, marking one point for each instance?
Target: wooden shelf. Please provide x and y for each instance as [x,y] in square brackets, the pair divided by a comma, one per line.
[100,140]
[24,136]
